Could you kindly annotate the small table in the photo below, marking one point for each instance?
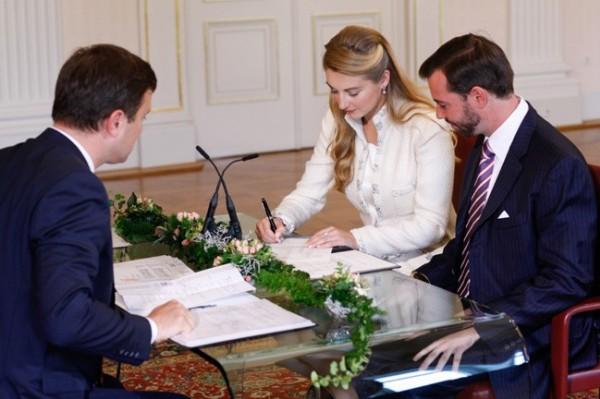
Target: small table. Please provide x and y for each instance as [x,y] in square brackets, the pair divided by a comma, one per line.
[416,314]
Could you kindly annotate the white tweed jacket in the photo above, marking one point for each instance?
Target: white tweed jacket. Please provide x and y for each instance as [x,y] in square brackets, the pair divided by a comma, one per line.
[401,186]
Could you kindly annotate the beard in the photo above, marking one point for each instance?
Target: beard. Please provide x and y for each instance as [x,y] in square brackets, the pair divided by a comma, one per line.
[468,124]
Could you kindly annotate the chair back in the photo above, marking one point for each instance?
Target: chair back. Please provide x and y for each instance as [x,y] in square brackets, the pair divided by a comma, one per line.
[565,382]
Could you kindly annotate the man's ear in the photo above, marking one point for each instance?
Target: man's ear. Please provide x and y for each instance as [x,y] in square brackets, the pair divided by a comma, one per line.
[478,96]
[114,124]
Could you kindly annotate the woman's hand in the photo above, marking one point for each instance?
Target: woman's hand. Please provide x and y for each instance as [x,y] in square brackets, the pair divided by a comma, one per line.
[264,232]
[330,237]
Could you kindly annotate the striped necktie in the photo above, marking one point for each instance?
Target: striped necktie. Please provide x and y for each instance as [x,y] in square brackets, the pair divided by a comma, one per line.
[478,201]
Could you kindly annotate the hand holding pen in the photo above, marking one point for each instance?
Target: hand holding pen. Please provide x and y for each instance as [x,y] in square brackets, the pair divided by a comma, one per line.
[269,229]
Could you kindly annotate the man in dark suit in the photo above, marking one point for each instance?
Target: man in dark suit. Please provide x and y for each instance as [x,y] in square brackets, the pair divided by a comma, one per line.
[57,314]
[526,227]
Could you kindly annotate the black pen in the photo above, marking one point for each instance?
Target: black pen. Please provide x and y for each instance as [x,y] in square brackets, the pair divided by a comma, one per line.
[203,307]
[269,215]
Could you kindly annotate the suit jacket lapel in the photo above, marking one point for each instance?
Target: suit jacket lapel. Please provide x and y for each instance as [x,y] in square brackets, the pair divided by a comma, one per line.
[511,168]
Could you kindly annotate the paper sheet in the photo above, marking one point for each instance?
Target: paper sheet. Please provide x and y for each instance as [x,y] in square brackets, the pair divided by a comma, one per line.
[238,317]
[412,264]
[146,283]
[294,249]
[117,241]
[320,262]
[143,271]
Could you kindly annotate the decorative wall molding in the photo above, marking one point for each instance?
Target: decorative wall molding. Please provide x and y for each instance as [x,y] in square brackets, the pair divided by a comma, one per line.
[425,26]
[162,47]
[29,59]
[226,1]
[536,56]
[324,27]
[252,45]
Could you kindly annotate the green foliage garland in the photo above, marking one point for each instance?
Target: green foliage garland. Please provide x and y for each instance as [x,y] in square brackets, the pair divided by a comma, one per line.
[139,219]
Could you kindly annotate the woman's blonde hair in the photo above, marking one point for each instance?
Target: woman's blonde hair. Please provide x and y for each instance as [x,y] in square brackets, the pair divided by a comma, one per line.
[362,51]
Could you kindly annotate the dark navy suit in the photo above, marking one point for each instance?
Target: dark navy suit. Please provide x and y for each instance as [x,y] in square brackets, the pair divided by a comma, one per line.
[539,260]
[57,318]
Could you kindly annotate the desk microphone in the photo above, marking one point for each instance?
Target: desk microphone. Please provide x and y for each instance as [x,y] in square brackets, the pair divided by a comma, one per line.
[235,230]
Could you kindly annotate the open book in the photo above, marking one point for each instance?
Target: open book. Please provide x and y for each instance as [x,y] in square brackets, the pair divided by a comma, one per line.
[218,298]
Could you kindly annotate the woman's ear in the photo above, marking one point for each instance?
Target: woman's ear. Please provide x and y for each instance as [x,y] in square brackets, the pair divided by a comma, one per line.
[384,81]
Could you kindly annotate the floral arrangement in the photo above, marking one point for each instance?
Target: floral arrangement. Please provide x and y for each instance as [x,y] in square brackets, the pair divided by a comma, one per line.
[136,218]
[342,293]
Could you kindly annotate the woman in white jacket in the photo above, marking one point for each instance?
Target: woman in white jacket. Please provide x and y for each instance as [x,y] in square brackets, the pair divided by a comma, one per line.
[382,146]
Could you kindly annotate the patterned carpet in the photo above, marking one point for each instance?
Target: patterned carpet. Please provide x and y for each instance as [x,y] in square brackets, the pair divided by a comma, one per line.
[174,369]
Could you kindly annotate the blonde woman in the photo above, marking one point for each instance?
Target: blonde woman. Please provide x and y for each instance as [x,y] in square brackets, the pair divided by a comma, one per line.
[382,146]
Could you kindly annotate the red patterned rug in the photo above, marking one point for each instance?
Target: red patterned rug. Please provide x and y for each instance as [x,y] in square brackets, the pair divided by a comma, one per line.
[174,369]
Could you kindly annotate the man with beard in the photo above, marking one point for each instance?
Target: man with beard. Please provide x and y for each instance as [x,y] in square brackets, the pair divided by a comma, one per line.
[526,228]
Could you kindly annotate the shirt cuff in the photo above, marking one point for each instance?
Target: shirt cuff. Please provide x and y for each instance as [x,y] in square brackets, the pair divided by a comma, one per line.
[359,242]
[288,225]
[154,329]
[420,276]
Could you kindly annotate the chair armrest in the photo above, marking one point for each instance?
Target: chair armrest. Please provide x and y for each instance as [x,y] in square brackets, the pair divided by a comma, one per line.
[560,341]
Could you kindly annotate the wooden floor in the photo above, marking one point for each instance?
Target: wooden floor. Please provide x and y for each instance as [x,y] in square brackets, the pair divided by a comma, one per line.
[272,176]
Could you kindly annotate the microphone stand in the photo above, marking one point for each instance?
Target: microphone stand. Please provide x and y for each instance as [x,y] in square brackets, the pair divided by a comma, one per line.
[235,230]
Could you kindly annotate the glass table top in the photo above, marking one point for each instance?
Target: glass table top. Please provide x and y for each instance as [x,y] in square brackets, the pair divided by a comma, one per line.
[415,315]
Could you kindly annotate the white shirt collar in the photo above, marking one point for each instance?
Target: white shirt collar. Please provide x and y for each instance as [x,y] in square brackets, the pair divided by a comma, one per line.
[380,121]
[86,155]
[502,138]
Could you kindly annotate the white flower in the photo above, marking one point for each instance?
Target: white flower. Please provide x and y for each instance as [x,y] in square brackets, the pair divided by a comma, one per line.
[187,215]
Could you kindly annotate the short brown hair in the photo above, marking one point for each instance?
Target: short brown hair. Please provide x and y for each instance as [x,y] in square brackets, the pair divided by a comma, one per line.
[97,80]
[471,60]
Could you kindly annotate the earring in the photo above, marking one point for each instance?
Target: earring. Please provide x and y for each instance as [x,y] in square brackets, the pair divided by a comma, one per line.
[384,90]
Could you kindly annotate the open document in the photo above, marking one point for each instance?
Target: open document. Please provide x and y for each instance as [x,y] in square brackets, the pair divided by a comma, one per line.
[410,265]
[241,316]
[320,262]
[146,283]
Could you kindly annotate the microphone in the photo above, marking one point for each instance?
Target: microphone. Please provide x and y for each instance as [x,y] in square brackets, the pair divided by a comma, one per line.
[235,230]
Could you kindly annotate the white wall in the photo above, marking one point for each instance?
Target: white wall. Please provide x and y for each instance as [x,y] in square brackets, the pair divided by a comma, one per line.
[239,76]
[581,43]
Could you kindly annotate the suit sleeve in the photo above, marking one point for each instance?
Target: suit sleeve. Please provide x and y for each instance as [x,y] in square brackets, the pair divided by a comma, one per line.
[564,222]
[69,232]
[439,270]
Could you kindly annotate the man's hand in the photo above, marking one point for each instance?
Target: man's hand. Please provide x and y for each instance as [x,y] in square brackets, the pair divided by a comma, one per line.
[331,236]
[171,318]
[264,232]
[451,345]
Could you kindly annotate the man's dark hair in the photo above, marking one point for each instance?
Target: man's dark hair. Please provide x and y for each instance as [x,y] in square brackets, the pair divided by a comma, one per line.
[97,80]
[471,60]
